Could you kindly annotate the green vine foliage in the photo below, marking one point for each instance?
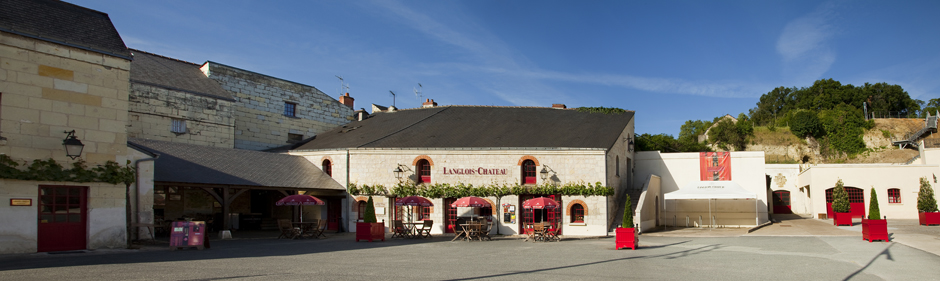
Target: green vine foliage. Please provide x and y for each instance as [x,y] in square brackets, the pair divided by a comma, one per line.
[50,170]
[446,190]
[604,110]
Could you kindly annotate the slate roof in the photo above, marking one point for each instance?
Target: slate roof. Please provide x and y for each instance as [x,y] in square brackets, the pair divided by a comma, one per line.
[477,127]
[188,163]
[160,71]
[62,23]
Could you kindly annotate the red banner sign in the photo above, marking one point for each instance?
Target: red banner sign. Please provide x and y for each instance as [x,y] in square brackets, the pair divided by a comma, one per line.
[715,166]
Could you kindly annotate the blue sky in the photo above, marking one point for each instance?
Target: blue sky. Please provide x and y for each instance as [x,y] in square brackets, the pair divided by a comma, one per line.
[670,61]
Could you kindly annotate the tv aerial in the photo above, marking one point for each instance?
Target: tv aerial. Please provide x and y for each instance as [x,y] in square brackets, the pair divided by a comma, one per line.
[343,86]
[393,97]
[417,90]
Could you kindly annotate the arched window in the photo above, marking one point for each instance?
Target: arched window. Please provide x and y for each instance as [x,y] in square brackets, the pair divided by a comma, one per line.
[528,172]
[362,209]
[424,171]
[577,213]
[327,167]
[894,195]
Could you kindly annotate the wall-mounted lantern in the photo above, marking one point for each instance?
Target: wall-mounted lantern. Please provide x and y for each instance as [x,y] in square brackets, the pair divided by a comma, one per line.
[398,172]
[544,174]
[73,146]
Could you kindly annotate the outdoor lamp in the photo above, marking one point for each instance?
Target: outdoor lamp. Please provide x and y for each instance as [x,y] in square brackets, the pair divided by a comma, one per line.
[73,146]
[544,173]
[397,172]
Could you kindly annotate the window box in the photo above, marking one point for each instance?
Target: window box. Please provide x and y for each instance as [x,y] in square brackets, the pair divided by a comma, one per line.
[875,230]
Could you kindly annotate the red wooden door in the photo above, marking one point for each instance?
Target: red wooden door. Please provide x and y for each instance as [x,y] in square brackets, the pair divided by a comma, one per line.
[450,214]
[334,213]
[62,218]
[530,216]
[856,201]
[782,202]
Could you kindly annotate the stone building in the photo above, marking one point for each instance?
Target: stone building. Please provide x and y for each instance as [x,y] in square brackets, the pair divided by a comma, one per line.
[271,112]
[480,146]
[63,68]
[172,100]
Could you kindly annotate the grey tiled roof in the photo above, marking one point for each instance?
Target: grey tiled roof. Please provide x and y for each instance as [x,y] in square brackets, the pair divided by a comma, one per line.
[174,74]
[477,127]
[62,23]
[187,163]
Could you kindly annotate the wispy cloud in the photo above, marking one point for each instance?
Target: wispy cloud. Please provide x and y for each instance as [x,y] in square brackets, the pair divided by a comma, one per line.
[803,44]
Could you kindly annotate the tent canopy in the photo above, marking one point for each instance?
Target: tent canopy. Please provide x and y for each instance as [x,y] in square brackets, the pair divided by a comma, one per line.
[711,190]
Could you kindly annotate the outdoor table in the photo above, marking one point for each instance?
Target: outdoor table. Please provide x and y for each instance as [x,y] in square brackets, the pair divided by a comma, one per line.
[413,229]
[306,228]
[470,231]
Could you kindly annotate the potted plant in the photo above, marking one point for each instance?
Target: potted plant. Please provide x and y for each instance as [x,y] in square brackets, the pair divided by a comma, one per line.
[370,229]
[927,204]
[840,206]
[626,233]
[874,228]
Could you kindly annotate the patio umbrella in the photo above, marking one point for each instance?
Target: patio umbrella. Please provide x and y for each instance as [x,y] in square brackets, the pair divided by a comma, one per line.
[300,200]
[470,201]
[414,201]
[540,203]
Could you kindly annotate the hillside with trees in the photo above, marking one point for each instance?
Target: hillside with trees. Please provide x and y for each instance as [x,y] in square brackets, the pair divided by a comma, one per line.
[826,119]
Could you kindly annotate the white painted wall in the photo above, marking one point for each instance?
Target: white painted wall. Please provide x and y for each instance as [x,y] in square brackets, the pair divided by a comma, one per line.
[786,177]
[865,176]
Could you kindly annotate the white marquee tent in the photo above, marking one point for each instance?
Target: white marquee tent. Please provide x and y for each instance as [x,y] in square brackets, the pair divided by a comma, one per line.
[709,190]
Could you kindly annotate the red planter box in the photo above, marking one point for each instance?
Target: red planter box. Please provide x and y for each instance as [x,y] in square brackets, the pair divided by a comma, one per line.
[929,218]
[875,230]
[370,231]
[626,238]
[842,219]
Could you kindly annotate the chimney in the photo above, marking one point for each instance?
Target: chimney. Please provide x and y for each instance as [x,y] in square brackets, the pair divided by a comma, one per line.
[347,100]
[429,103]
[559,106]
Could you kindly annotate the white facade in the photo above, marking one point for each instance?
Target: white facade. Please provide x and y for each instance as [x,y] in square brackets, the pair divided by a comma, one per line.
[661,173]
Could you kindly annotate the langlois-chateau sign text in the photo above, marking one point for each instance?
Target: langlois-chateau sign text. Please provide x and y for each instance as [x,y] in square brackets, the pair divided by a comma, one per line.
[474,171]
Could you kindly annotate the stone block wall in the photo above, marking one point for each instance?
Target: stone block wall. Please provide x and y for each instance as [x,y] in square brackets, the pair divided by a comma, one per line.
[260,122]
[106,221]
[209,121]
[47,89]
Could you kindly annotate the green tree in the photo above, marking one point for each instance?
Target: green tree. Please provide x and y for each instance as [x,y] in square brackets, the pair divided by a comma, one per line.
[931,107]
[926,202]
[369,216]
[874,212]
[772,105]
[627,221]
[840,199]
[728,134]
[805,123]
[844,126]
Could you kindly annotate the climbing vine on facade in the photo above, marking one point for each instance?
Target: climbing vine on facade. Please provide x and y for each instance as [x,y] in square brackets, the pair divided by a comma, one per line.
[50,170]
[446,190]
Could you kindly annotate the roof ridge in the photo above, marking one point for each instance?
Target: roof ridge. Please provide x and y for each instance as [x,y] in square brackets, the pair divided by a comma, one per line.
[162,56]
[403,128]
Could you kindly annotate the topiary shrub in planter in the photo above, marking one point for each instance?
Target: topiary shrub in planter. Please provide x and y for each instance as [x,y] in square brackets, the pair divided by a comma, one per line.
[874,228]
[927,204]
[840,205]
[626,233]
[370,229]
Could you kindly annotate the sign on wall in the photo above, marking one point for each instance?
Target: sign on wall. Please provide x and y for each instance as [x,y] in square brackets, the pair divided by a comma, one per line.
[715,166]
[21,202]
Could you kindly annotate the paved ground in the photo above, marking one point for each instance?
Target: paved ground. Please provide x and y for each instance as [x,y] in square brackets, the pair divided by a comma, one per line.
[774,252]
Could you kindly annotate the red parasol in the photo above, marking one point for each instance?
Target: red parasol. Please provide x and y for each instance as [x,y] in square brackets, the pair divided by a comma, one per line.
[470,201]
[540,203]
[300,199]
[414,201]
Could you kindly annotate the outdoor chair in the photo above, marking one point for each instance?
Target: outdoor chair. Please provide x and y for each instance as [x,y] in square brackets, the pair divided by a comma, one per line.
[399,230]
[538,231]
[485,233]
[551,234]
[425,230]
[458,230]
[317,230]
[287,230]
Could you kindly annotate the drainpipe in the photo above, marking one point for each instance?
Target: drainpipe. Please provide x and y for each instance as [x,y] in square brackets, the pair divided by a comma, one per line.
[342,226]
[137,192]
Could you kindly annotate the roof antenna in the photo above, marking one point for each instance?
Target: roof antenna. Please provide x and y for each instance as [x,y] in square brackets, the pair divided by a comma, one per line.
[393,97]
[418,94]
[343,87]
